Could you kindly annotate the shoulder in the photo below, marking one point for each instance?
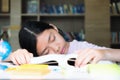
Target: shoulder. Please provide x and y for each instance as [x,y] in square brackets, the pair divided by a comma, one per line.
[85,44]
[76,42]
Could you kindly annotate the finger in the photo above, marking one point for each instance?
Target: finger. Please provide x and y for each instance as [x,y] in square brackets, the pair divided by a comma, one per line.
[14,61]
[95,60]
[28,57]
[19,59]
[89,58]
[31,55]
[81,57]
[24,57]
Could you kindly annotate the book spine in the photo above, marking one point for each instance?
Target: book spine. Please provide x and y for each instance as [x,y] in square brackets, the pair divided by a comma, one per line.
[116,6]
[5,6]
[32,6]
[114,10]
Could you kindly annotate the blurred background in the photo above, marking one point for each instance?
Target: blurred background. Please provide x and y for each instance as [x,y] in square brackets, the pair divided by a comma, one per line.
[96,21]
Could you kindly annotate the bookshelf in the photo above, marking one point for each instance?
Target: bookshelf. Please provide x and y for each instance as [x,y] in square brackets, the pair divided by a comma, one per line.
[61,13]
[67,15]
[115,24]
[90,20]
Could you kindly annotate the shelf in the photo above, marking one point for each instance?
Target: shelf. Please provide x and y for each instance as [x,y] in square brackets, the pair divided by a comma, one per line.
[26,14]
[53,15]
[115,15]
[62,15]
[1,14]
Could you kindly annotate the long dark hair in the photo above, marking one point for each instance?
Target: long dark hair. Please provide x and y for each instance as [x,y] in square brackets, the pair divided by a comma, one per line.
[28,33]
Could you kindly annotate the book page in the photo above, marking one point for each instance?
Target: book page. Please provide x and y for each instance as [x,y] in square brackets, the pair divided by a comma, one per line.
[61,59]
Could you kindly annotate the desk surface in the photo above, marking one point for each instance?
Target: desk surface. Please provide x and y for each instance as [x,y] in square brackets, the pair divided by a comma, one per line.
[34,71]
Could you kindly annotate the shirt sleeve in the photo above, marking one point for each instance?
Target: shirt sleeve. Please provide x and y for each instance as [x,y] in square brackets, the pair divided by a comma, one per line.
[86,44]
[76,45]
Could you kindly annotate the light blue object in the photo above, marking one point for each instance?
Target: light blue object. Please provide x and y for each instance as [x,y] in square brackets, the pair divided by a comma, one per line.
[5,50]
[3,67]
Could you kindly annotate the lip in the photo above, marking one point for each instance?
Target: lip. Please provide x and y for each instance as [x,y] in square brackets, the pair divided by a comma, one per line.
[63,50]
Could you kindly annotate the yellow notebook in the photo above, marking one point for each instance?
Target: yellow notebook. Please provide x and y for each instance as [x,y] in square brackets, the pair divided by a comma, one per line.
[29,69]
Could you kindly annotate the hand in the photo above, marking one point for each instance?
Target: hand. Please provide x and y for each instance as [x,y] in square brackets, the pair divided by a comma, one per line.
[86,56]
[20,56]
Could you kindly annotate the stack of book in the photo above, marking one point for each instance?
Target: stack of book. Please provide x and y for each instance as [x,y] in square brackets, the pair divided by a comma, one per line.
[62,8]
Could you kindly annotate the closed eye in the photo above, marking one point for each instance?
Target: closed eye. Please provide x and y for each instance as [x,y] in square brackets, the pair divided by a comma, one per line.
[46,52]
[50,40]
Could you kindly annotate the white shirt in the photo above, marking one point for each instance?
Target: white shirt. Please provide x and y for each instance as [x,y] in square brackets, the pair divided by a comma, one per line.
[77,45]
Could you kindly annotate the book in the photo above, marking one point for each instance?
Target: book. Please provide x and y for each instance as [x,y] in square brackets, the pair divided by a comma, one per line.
[118,4]
[62,60]
[32,6]
[5,6]
[114,10]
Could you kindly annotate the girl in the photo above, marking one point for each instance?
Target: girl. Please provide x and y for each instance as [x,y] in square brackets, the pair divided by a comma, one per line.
[41,38]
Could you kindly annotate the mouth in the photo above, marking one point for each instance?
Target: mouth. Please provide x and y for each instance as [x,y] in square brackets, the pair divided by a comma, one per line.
[63,50]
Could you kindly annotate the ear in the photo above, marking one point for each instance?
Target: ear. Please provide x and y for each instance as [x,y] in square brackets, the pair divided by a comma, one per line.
[54,27]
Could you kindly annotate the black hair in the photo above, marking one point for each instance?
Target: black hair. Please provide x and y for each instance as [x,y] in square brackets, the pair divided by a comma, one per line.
[28,33]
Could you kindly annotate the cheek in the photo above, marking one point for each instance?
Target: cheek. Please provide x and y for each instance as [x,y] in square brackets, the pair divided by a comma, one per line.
[60,39]
[38,48]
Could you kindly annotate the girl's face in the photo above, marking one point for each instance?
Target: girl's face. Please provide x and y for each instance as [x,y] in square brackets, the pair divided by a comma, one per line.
[51,42]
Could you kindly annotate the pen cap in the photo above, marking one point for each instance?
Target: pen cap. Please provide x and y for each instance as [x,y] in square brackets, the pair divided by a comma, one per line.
[5,49]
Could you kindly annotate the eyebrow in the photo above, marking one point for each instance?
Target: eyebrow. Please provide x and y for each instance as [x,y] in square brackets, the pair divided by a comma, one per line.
[46,47]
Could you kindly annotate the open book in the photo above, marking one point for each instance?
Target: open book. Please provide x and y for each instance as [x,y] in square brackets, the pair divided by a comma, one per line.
[62,60]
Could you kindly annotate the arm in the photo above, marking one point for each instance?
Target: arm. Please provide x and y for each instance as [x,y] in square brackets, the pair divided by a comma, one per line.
[112,54]
[20,56]
[94,55]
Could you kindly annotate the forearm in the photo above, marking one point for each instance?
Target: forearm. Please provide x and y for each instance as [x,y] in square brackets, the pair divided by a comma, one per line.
[112,54]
